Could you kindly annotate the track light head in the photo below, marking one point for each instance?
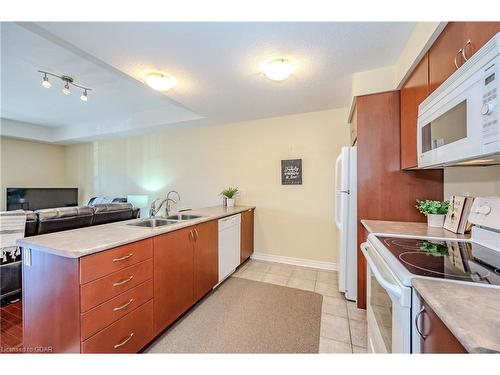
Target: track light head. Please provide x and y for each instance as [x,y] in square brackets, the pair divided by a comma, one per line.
[66,90]
[45,82]
[84,96]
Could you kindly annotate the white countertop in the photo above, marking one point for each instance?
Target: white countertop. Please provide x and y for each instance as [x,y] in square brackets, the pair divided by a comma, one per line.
[76,243]
[403,228]
[471,312]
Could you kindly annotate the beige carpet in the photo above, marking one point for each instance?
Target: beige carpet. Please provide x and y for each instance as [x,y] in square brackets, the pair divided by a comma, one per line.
[245,316]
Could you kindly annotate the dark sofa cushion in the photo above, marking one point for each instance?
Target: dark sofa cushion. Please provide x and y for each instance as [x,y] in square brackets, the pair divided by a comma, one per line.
[31,224]
[108,213]
[63,218]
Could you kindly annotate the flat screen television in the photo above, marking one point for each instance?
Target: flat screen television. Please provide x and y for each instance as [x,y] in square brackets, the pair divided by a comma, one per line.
[38,198]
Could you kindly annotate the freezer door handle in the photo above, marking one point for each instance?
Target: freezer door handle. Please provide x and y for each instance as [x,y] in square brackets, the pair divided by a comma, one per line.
[342,191]
[337,196]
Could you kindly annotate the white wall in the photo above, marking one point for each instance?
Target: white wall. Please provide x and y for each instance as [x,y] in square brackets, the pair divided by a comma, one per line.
[294,221]
[30,164]
[475,181]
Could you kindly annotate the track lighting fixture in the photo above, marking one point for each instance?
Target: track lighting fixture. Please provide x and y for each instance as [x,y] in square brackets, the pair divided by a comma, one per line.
[67,81]
[84,96]
[45,82]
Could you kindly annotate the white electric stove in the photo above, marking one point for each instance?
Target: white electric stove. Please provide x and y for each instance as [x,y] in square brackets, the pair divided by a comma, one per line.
[393,261]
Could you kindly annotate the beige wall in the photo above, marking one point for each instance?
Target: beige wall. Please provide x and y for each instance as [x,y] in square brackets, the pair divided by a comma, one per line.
[30,164]
[293,221]
[476,181]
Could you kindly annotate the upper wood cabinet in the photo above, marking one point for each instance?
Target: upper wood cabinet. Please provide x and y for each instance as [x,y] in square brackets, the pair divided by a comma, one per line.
[435,337]
[206,259]
[247,232]
[173,276]
[413,92]
[468,37]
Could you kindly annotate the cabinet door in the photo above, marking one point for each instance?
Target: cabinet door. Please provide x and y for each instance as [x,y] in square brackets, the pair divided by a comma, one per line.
[206,258]
[173,276]
[443,52]
[247,233]
[435,337]
[413,92]
[479,33]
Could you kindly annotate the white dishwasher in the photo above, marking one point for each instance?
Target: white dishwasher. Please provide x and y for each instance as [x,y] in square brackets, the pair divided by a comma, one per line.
[229,245]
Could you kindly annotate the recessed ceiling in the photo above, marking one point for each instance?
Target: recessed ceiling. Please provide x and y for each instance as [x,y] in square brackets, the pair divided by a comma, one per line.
[218,66]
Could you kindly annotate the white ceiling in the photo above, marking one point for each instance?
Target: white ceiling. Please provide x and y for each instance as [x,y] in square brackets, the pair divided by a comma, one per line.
[217,66]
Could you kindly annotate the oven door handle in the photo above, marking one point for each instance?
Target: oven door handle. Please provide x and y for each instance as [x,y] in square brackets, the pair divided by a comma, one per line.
[391,288]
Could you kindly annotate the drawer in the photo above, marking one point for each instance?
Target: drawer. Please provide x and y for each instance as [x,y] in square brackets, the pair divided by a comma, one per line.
[103,315]
[127,335]
[101,264]
[105,288]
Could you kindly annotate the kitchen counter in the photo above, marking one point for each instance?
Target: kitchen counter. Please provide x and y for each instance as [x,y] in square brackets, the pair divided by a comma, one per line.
[471,313]
[409,229]
[76,243]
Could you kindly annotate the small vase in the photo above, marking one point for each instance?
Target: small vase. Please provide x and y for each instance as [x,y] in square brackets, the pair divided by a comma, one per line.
[224,201]
[435,221]
[230,202]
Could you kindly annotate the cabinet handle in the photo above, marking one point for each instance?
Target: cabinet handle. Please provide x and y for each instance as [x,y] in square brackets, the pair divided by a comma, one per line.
[124,341]
[196,234]
[124,305]
[123,258]
[464,50]
[417,318]
[123,281]
[191,236]
[460,52]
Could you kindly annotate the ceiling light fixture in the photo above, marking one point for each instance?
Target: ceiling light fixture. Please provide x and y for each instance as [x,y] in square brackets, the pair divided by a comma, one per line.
[278,69]
[84,96]
[67,81]
[45,81]
[160,81]
[66,90]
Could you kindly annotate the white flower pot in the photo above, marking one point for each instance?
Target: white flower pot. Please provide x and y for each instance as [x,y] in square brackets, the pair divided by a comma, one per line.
[435,221]
[230,202]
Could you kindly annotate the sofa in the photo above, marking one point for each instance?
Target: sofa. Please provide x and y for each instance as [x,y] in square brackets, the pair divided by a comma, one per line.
[55,220]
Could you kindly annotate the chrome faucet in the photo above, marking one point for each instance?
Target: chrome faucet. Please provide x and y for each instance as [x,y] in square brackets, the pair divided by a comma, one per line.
[167,208]
[153,210]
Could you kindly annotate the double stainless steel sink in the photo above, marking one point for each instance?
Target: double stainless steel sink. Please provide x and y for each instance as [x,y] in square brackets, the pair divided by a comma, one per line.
[155,222]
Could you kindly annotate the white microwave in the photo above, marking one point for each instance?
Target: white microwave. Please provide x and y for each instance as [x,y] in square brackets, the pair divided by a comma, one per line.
[458,124]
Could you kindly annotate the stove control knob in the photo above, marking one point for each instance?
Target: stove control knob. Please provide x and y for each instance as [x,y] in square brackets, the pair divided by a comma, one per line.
[484,210]
[487,109]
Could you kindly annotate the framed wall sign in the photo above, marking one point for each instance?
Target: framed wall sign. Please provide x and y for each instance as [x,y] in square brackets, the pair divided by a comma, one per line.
[291,172]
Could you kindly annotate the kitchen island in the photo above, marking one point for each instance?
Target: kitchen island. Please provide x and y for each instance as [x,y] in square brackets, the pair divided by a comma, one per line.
[113,288]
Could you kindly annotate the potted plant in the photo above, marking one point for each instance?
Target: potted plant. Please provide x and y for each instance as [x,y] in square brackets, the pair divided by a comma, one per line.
[434,210]
[229,194]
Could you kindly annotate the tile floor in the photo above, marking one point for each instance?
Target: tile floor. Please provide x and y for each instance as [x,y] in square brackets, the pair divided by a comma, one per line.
[343,325]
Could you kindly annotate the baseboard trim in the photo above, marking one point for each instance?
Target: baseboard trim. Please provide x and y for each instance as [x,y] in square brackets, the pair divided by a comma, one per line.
[331,266]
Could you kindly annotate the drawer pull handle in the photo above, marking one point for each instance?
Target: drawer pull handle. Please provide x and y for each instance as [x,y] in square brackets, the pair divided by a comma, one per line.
[417,318]
[124,341]
[123,281]
[123,306]
[123,258]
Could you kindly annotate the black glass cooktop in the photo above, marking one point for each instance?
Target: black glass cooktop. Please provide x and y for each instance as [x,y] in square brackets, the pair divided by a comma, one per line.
[455,260]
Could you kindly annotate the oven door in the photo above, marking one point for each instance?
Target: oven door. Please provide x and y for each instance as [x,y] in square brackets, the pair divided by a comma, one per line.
[388,307]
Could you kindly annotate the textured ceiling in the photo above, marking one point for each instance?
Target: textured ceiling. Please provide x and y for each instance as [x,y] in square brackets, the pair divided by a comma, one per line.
[218,65]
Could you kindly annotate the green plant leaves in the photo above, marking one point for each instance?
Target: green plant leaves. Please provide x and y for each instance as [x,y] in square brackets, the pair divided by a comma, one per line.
[433,207]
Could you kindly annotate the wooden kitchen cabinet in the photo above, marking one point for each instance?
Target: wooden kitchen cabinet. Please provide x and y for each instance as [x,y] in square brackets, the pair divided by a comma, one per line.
[435,337]
[173,276]
[385,192]
[413,92]
[454,38]
[206,259]
[247,235]
[99,303]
